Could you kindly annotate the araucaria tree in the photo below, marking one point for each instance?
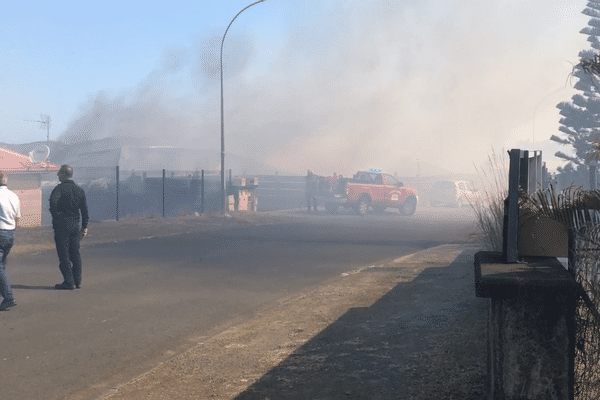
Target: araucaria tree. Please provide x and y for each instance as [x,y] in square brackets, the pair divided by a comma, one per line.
[580,122]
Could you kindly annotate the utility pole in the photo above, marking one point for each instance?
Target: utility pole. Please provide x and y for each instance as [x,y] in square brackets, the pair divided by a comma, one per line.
[44,123]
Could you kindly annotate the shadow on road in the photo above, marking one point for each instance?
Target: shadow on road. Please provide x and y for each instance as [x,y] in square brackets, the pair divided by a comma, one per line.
[424,339]
[30,287]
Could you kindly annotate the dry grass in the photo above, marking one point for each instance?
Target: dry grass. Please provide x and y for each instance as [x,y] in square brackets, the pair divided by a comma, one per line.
[489,210]
[571,207]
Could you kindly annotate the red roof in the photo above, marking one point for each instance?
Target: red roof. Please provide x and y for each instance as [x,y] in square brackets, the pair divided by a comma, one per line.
[15,162]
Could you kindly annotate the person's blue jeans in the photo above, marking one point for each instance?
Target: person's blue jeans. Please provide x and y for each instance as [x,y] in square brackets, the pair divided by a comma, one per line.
[7,240]
[66,236]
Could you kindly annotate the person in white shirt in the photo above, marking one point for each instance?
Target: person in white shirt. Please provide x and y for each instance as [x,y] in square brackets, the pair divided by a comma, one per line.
[10,212]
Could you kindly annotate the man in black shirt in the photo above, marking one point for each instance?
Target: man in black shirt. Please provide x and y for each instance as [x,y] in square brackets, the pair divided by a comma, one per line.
[67,202]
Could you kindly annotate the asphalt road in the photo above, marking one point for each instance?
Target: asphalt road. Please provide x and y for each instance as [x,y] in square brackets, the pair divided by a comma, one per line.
[143,301]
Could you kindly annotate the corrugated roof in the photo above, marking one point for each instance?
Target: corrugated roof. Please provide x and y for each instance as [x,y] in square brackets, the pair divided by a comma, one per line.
[14,162]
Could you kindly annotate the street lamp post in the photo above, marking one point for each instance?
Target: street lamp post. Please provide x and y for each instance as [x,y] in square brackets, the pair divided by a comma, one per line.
[223,188]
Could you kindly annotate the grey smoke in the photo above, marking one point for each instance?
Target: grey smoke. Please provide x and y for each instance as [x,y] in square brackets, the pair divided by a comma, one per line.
[355,85]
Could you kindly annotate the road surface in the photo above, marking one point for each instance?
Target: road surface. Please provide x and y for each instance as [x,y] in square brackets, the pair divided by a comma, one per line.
[145,300]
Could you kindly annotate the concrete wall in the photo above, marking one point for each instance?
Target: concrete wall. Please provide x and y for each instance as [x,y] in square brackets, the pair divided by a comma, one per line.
[529,339]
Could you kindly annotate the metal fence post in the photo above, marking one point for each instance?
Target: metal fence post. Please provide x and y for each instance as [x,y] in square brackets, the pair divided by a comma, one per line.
[163,192]
[230,182]
[523,182]
[537,179]
[202,193]
[510,252]
[545,177]
[117,205]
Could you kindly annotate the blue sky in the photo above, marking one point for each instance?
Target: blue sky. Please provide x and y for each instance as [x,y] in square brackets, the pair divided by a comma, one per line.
[54,54]
[326,85]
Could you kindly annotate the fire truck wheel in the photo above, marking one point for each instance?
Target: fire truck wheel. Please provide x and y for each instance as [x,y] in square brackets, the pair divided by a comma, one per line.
[409,207]
[331,208]
[379,209]
[362,207]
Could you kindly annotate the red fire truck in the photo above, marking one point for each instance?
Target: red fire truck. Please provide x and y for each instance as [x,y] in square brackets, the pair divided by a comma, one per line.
[366,190]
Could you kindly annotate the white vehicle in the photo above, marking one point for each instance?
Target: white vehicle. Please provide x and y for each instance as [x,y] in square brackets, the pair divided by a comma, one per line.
[453,193]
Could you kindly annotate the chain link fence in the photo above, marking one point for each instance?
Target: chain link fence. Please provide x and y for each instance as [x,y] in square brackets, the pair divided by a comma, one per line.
[112,193]
[586,263]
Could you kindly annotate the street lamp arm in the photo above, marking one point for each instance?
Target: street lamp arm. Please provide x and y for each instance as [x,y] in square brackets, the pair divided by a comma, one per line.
[228,26]
[223,192]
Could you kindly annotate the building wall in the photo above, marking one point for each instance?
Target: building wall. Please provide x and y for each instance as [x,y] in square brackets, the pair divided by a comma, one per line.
[31,207]
[24,181]
[28,188]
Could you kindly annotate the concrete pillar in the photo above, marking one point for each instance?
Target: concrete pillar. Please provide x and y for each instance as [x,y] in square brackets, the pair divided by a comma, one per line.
[531,330]
[528,346]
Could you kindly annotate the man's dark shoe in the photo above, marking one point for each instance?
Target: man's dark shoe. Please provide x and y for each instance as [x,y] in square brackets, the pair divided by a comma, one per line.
[78,286]
[64,286]
[6,304]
